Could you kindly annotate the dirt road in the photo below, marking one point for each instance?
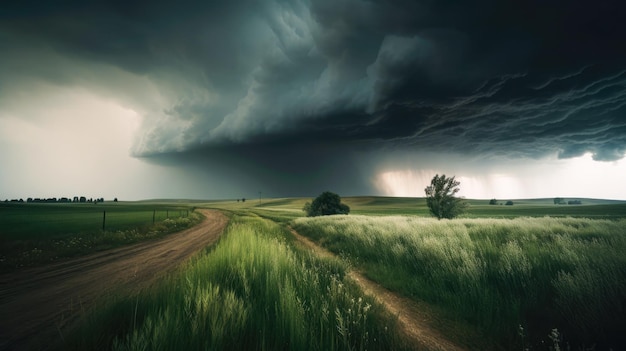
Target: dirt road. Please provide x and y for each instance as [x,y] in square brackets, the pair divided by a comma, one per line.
[36,304]
[417,325]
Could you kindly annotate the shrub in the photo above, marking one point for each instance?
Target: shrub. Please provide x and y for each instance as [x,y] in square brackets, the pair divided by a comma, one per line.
[327,203]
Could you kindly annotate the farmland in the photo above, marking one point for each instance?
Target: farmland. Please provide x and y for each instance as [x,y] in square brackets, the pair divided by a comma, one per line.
[534,275]
[33,234]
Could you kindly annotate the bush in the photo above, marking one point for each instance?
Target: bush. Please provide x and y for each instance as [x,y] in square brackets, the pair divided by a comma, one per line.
[327,203]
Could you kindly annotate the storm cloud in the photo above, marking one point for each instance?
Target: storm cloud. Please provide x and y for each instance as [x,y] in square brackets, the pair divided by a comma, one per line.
[481,78]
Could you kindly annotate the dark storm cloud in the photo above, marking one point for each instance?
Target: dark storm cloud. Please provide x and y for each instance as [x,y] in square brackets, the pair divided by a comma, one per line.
[515,78]
[302,169]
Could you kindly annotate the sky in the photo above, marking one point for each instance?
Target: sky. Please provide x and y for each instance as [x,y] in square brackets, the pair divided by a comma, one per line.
[288,98]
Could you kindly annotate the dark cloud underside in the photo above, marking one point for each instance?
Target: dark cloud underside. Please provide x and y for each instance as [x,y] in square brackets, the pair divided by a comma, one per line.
[514,78]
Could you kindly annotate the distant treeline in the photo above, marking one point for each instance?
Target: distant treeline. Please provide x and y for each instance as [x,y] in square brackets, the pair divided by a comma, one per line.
[495,202]
[557,201]
[561,201]
[77,199]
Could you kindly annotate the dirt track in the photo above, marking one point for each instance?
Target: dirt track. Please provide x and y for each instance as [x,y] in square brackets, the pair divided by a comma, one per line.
[40,302]
[416,324]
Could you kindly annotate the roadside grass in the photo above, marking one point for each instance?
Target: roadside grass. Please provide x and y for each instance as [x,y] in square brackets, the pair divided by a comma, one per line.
[32,234]
[251,291]
[514,279]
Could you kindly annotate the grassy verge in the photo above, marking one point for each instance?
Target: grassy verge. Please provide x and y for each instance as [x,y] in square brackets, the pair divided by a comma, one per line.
[35,250]
[252,291]
[515,279]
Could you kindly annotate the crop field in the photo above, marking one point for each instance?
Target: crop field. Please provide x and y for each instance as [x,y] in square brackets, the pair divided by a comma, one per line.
[32,234]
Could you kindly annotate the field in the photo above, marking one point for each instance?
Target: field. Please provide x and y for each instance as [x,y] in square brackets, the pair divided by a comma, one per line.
[500,275]
[252,291]
[32,234]
[525,275]
[284,209]
[529,276]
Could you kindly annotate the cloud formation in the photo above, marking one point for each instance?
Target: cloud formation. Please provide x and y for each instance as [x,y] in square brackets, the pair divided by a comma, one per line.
[516,79]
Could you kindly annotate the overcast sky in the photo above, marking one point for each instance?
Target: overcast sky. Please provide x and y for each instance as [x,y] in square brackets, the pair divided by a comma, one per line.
[223,99]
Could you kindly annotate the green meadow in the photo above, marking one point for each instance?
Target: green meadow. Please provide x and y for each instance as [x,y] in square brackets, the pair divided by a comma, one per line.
[499,275]
[34,234]
[534,275]
[523,276]
[35,221]
[285,209]
[251,291]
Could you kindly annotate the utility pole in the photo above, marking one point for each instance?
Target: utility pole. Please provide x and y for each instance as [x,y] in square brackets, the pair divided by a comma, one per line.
[260,196]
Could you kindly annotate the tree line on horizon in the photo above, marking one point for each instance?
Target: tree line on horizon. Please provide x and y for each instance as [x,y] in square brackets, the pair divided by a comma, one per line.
[75,199]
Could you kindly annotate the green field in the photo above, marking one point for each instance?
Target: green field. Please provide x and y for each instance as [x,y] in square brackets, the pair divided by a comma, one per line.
[499,273]
[284,209]
[252,291]
[529,276]
[533,265]
[33,234]
[35,221]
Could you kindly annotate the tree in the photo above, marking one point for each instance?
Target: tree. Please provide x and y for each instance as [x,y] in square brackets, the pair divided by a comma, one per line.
[493,202]
[327,203]
[509,203]
[441,199]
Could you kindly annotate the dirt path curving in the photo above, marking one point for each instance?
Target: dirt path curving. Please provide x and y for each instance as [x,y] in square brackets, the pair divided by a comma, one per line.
[416,325]
[36,304]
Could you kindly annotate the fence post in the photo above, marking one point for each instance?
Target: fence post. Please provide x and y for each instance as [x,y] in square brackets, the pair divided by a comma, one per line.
[104,217]
[167,213]
[153,215]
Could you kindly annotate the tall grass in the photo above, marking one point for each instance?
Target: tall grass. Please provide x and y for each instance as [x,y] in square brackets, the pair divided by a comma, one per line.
[251,291]
[498,274]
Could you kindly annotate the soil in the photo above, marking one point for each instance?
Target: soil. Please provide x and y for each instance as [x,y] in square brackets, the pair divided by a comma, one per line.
[417,323]
[37,305]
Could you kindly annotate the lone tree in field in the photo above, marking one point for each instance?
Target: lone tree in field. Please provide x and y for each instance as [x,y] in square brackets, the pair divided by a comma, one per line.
[326,204]
[441,199]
